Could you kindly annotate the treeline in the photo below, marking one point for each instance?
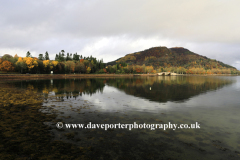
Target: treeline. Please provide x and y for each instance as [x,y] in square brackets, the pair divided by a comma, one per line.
[74,63]
[69,63]
[142,69]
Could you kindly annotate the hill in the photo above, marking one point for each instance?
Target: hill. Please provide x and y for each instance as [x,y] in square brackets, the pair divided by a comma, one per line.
[170,57]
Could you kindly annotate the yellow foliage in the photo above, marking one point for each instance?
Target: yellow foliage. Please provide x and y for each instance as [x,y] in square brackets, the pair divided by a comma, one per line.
[35,63]
[19,60]
[46,63]
[29,62]
[88,70]
[149,69]
[54,63]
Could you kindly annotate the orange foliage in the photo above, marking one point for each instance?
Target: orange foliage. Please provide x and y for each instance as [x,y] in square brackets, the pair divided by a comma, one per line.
[104,70]
[81,60]
[139,70]
[6,66]
[154,71]
[189,71]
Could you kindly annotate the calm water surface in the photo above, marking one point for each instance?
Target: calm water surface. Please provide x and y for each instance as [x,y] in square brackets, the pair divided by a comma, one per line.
[213,102]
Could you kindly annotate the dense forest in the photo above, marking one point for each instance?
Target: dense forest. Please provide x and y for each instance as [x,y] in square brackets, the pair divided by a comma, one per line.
[178,60]
[63,63]
[153,60]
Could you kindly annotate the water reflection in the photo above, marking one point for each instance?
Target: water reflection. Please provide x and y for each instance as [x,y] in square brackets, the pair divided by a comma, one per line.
[163,88]
[129,100]
[168,88]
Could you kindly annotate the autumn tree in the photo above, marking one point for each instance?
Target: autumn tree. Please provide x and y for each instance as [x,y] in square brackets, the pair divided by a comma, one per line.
[104,70]
[143,68]
[30,62]
[6,66]
[46,65]
[86,62]
[7,57]
[110,69]
[53,65]
[149,69]
[60,67]
[88,69]
[80,67]
[139,69]
[81,60]
[15,59]
[70,66]
[130,68]
[21,65]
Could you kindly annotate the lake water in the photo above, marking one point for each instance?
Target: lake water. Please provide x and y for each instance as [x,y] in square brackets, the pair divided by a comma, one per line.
[211,101]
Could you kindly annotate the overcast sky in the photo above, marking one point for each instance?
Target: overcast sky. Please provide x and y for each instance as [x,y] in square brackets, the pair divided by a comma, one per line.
[109,29]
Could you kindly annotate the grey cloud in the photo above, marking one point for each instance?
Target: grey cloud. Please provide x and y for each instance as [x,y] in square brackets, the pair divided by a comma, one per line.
[52,25]
[196,20]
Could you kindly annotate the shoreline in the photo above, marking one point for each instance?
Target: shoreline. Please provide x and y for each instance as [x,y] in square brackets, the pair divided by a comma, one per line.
[57,76]
[67,76]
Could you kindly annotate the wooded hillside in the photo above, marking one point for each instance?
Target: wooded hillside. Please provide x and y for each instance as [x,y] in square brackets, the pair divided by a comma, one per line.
[170,57]
[153,60]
